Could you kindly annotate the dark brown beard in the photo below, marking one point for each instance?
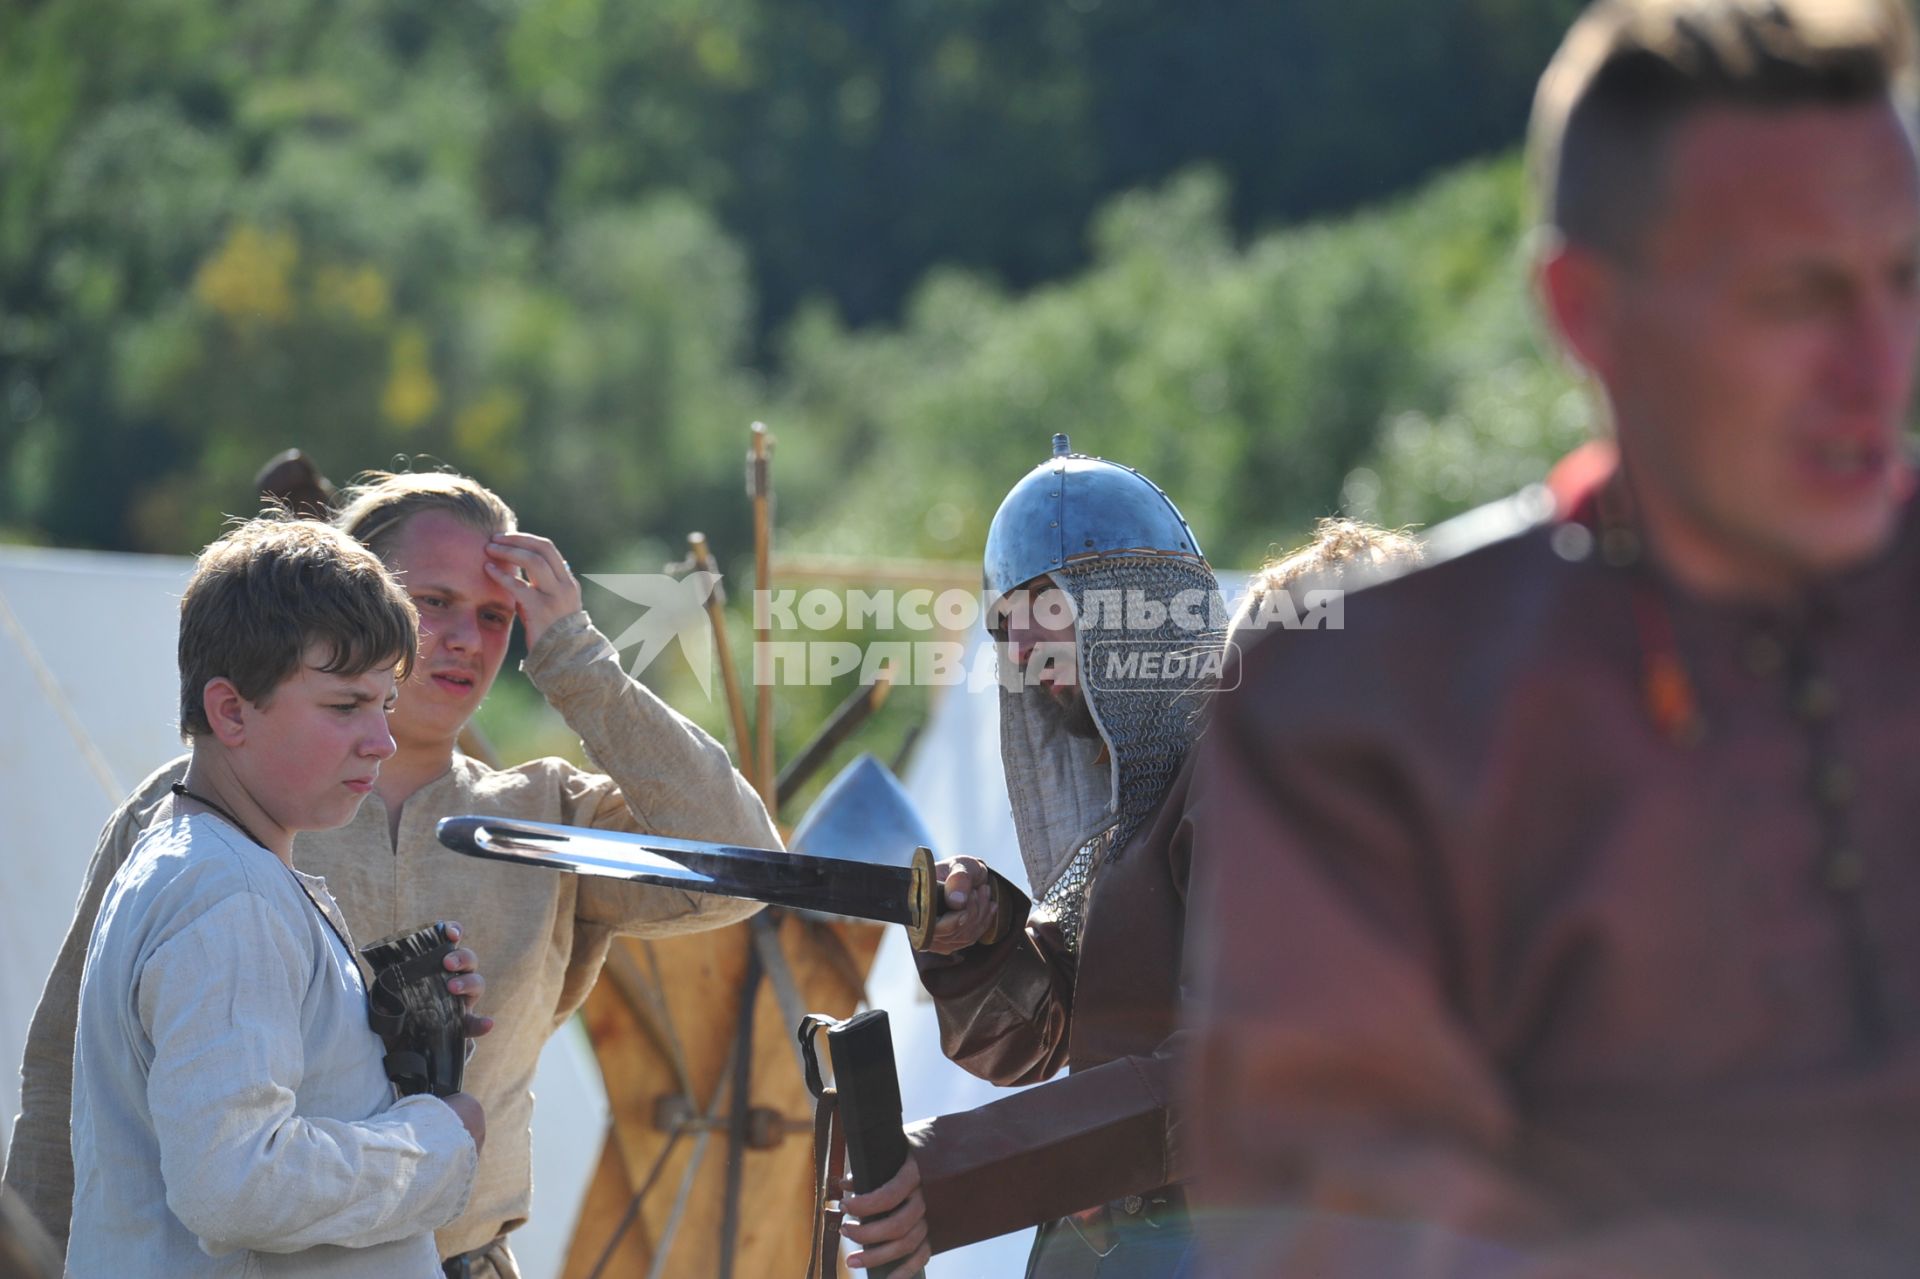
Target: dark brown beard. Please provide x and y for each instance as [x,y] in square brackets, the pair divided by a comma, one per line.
[1072,713]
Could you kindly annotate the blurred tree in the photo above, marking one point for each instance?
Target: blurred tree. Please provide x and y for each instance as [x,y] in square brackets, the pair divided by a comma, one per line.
[575,246]
[1315,105]
[1253,384]
[854,147]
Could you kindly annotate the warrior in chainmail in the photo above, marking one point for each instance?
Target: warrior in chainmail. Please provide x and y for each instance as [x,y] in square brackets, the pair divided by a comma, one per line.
[1138,718]
[1110,625]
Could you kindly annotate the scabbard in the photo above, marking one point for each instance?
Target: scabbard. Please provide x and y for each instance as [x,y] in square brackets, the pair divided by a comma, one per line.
[869,1086]
[865,1097]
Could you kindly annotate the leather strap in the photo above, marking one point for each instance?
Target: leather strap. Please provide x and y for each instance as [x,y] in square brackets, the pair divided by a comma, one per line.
[829,1165]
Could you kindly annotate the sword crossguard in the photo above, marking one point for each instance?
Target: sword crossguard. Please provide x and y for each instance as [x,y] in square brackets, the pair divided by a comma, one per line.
[926,898]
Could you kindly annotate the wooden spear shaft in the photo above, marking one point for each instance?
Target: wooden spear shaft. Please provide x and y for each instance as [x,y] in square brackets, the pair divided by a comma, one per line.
[703,561]
[846,720]
[760,488]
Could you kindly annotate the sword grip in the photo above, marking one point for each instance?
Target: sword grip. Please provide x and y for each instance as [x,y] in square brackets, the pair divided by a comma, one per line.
[929,903]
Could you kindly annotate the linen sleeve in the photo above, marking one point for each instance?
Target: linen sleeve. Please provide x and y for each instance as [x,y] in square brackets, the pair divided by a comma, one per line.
[40,1158]
[220,1004]
[664,775]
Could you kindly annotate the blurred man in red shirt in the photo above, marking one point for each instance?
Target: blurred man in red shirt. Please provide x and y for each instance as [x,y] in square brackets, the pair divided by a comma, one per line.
[1565,899]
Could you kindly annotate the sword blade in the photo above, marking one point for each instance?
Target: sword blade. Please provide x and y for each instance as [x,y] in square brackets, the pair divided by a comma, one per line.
[829,885]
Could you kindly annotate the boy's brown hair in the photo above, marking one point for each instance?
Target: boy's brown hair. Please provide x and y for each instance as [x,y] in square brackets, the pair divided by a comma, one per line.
[1631,71]
[379,503]
[270,591]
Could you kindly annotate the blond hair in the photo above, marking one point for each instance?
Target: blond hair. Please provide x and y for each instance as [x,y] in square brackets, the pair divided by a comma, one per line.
[270,591]
[1631,71]
[378,504]
[1339,546]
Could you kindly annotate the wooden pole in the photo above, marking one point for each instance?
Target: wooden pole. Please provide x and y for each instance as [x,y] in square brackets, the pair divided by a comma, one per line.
[703,561]
[760,489]
[858,707]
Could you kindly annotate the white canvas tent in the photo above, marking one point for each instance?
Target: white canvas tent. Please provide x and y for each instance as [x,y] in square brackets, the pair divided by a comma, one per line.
[87,689]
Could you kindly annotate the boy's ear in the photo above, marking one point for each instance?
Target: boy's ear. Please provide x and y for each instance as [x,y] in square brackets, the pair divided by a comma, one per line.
[225,711]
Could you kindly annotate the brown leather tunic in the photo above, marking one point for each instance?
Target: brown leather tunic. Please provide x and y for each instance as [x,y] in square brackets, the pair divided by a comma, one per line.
[1502,980]
[1017,1011]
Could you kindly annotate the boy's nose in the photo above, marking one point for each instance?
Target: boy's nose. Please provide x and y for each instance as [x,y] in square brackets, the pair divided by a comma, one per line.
[379,743]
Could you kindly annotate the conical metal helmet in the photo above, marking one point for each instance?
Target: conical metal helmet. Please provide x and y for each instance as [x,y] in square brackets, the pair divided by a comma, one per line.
[863,815]
[1075,507]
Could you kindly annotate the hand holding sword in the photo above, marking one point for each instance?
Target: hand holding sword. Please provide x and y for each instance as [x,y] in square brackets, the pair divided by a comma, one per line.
[970,906]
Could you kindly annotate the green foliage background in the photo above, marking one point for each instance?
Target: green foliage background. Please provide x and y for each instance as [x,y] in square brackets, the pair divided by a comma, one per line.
[1269,254]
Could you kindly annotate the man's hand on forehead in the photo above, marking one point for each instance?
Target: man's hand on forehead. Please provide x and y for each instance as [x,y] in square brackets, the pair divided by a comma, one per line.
[538,577]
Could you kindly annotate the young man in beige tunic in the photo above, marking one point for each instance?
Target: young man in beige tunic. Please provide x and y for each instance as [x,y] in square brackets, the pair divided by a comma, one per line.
[454,547]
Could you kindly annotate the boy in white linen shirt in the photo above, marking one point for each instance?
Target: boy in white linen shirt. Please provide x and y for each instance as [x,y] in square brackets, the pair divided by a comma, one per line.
[231,1115]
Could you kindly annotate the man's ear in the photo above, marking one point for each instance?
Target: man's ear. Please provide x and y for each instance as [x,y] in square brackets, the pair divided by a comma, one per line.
[225,710]
[1578,290]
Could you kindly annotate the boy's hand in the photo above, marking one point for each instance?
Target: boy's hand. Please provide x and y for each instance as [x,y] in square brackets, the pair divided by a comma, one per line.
[902,1232]
[466,982]
[472,1117]
[543,588]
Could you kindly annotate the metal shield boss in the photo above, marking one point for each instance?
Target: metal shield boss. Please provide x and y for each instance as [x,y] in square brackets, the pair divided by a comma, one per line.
[1074,507]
